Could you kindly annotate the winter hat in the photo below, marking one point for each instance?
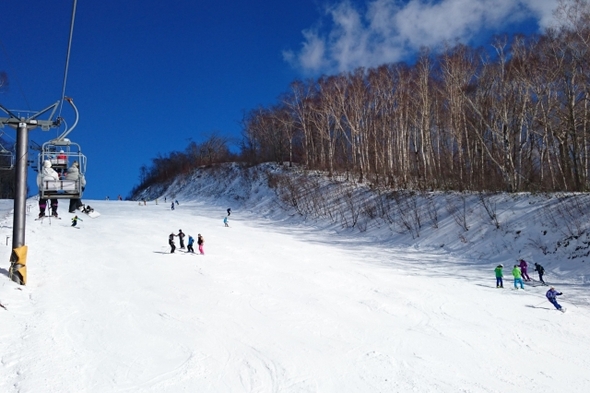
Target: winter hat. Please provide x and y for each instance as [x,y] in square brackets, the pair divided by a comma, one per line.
[501,265]
[47,164]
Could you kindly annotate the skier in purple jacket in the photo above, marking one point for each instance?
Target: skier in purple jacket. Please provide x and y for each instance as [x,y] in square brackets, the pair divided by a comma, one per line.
[552,297]
[523,266]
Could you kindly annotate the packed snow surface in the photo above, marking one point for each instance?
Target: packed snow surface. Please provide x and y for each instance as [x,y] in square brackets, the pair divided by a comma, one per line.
[272,306]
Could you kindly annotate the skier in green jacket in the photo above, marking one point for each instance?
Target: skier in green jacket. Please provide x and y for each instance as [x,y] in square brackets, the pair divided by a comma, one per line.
[499,275]
[517,277]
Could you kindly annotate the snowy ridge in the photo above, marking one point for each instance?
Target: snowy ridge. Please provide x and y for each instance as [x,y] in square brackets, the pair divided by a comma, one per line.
[550,229]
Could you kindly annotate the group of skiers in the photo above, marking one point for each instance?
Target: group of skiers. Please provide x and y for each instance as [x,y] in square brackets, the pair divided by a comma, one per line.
[189,246]
[181,235]
[519,272]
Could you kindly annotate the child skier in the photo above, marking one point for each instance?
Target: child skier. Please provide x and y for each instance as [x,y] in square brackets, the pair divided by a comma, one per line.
[499,275]
[552,297]
[189,246]
[517,277]
[523,267]
[171,242]
[225,221]
[75,220]
[201,242]
[539,269]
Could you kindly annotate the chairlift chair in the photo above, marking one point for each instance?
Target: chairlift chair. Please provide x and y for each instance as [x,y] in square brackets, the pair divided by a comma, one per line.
[61,154]
[6,159]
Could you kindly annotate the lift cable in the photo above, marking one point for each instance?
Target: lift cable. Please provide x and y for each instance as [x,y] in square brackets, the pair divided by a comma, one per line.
[63,92]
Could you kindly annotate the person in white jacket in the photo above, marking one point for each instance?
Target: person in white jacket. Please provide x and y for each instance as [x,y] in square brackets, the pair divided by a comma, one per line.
[73,173]
[47,173]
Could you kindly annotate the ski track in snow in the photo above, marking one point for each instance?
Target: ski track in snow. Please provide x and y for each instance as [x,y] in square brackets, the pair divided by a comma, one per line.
[270,308]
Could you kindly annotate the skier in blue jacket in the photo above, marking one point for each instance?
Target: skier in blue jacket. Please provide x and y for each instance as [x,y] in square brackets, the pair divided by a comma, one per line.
[552,297]
[189,246]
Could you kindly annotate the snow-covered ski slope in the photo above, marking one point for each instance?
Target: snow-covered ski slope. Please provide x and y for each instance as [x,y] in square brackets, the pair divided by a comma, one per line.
[270,307]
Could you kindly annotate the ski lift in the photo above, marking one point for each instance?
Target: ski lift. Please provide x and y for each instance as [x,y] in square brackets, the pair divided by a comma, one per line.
[62,154]
[6,156]
[6,159]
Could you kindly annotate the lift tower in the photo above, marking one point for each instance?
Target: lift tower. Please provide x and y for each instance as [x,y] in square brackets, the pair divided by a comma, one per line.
[23,125]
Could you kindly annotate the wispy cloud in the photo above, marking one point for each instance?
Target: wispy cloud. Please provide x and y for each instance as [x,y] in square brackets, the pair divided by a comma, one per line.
[385,31]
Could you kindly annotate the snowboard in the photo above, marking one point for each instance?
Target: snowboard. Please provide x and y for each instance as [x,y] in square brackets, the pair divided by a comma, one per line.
[93,214]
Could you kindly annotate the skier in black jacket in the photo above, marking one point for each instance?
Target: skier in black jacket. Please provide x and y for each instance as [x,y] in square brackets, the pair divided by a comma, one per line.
[181,238]
[539,269]
[171,242]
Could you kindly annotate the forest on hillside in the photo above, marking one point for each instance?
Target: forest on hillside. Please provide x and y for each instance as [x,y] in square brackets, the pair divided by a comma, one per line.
[513,118]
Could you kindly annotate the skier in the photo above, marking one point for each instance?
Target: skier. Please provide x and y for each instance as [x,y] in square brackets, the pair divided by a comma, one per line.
[228,211]
[42,207]
[75,220]
[517,277]
[73,173]
[181,237]
[172,206]
[499,275]
[539,269]
[523,269]
[54,207]
[47,174]
[200,242]
[189,246]
[225,221]
[552,297]
[61,158]
[171,242]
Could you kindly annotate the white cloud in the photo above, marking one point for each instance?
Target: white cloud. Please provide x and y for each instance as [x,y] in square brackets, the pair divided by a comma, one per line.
[389,30]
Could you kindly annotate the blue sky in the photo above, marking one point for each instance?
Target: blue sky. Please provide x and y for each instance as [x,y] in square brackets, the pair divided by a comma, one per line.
[149,76]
